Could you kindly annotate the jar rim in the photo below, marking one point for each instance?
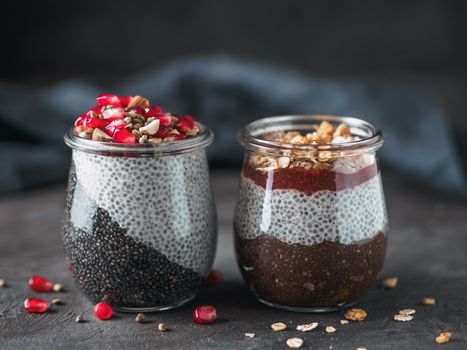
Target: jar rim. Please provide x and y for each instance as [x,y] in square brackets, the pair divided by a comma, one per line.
[202,140]
[371,138]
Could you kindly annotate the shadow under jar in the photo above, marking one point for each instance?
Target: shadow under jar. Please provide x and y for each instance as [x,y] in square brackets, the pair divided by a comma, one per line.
[310,222]
[140,224]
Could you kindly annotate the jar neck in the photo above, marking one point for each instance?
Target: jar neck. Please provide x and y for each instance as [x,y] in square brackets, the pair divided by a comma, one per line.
[251,136]
[204,139]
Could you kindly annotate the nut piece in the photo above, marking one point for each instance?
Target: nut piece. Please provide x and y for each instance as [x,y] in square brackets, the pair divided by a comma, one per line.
[2,283]
[344,321]
[161,327]
[79,318]
[250,335]
[56,301]
[390,283]
[279,326]
[355,314]
[443,338]
[428,301]
[403,318]
[138,101]
[407,311]
[140,318]
[307,327]
[294,343]
[57,287]
[99,135]
[151,128]
[330,329]
[283,162]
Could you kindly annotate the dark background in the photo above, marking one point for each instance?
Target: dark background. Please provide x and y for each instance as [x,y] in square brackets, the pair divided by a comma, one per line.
[105,43]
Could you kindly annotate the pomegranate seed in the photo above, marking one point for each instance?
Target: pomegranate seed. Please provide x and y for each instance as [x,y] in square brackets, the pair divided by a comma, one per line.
[80,120]
[91,122]
[103,311]
[113,113]
[166,120]
[40,284]
[94,111]
[204,314]
[32,305]
[214,278]
[113,100]
[163,132]
[124,136]
[154,111]
[186,125]
[114,126]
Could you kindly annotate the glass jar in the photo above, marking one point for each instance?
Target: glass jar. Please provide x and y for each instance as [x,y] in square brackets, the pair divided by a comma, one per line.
[310,222]
[140,224]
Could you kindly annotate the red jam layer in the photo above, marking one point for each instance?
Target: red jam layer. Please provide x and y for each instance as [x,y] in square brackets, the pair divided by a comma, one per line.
[308,181]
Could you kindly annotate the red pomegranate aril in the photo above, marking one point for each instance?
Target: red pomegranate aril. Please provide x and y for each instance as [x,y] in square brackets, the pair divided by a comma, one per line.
[91,122]
[124,136]
[80,120]
[113,100]
[35,305]
[139,110]
[40,284]
[113,126]
[166,120]
[94,111]
[204,314]
[113,113]
[186,125]
[214,278]
[154,111]
[103,311]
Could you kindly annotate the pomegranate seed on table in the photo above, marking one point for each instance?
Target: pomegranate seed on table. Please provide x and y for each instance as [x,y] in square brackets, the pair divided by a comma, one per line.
[40,284]
[35,305]
[113,113]
[204,314]
[103,311]
[214,278]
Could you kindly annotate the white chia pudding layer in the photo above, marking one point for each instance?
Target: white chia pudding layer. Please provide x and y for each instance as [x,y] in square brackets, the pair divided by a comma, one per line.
[346,216]
[163,202]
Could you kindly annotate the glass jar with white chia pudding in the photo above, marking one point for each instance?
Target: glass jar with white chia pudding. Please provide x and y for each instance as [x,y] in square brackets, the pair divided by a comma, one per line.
[140,223]
[310,222]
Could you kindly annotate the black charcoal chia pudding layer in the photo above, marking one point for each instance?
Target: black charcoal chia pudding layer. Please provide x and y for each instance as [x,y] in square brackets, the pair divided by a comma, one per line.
[139,232]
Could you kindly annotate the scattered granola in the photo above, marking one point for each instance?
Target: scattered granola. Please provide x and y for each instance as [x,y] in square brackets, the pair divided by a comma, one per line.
[324,134]
[407,311]
[162,327]
[2,283]
[355,314]
[428,301]
[57,287]
[294,343]
[307,327]
[403,318]
[250,335]
[279,326]
[390,283]
[140,318]
[344,321]
[130,119]
[443,338]
[330,329]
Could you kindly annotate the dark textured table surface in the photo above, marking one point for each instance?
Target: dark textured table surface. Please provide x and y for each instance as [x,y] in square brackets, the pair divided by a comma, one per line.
[427,252]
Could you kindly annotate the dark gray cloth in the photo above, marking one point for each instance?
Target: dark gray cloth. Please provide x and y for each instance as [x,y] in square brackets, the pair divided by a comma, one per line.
[226,94]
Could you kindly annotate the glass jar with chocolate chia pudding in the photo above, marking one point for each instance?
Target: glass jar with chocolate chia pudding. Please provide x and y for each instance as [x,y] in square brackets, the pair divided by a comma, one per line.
[140,223]
[310,221]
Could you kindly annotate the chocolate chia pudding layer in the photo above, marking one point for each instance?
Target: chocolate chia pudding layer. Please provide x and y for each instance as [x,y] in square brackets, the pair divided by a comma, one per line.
[310,276]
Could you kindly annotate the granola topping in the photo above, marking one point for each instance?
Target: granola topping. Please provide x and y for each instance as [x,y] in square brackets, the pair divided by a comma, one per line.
[403,318]
[307,327]
[279,326]
[131,119]
[324,134]
[443,338]
[294,343]
[355,314]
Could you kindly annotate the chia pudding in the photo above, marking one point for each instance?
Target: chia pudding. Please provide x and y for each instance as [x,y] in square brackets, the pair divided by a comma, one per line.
[310,222]
[140,223]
